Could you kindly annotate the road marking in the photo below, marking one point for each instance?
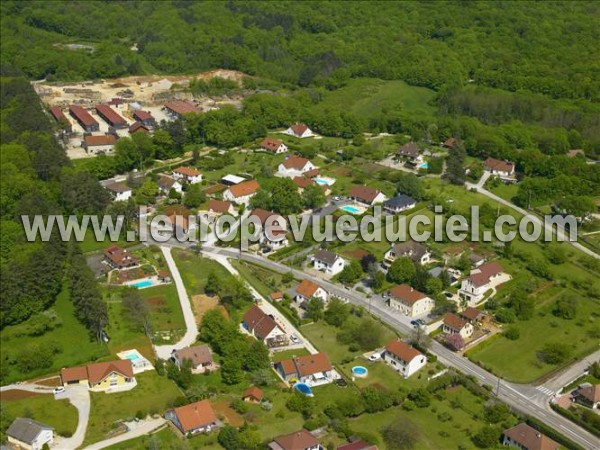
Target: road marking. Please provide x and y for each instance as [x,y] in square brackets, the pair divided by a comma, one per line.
[545,390]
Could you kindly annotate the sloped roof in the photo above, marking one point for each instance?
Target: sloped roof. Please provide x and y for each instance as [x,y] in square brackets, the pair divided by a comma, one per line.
[254,392]
[307,288]
[142,115]
[295,162]
[166,182]
[406,294]
[26,430]
[259,322]
[199,354]
[71,374]
[302,182]
[530,438]
[298,440]
[188,171]
[496,164]
[271,144]
[402,350]
[365,193]
[245,188]
[453,321]
[299,128]
[219,206]
[326,256]
[592,393]
[117,187]
[105,139]
[110,114]
[471,313]
[195,415]
[412,249]
[400,201]
[138,126]
[410,149]
[99,371]
[310,364]
[358,445]
[486,272]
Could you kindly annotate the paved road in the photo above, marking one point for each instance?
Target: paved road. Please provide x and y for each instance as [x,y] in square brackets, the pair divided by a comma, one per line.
[546,226]
[164,351]
[524,398]
[571,373]
[140,429]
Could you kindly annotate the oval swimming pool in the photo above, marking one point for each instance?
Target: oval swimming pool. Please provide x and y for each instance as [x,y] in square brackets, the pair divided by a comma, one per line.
[360,371]
[304,388]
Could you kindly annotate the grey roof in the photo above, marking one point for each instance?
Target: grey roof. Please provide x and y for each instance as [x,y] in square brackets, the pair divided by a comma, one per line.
[326,256]
[26,430]
[400,201]
[117,187]
[411,149]
[413,250]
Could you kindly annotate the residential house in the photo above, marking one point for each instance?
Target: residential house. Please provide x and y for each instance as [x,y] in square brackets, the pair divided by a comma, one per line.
[138,127]
[358,445]
[199,355]
[264,328]
[218,207]
[304,181]
[525,437]
[166,183]
[119,192]
[409,301]
[144,117]
[589,395]
[231,180]
[298,440]
[119,258]
[452,324]
[485,277]
[273,145]
[366,195]
[310,369]
[84,119]
[29,434]
[328,262]
[299,130]
[101,377]
[253,395]
[188,174]
[410,151]
[103,144]
[451,143]
[241,193]
[182,222]
[399,203]
[410,249]
[197,417]
[308,289]
[503,169]
[274,229]
[295,166]
[477,260]
[276,296]
[473,315]
[403,358]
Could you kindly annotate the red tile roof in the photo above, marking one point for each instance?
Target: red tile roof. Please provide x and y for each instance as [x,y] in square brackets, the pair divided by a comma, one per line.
[365,193]
[138,126]
[277,295]
[198,354]
[307,288]
[406,294]
[496,164]
[106,139]
[142,115]
[58,114]
[486,272]
[253,392]
[259,322]
[110,115]
[271,144]
[219,206]
[358,445]
[310,364]
[71,374]
[592,393]
[312,173]
[182,107]
[299,128]
[302,182]
[99,371]
[402,350]
[295,162]
[453,321]
[298,440]
[471,313]
[195,415]
[82,115]
[188,171]
[530,438]
[245,188]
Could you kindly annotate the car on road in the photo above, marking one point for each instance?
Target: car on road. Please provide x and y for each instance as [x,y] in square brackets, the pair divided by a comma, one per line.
[414,323]
[59,390]
[295,339]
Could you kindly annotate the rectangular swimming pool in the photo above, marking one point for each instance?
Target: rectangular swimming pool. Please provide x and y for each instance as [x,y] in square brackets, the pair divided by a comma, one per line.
[324,181]
[142,284]
[351,209]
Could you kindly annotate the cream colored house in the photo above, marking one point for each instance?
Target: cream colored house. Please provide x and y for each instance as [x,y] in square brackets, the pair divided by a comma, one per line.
[409,301]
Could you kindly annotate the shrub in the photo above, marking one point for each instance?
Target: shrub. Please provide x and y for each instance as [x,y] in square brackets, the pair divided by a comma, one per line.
[512,333]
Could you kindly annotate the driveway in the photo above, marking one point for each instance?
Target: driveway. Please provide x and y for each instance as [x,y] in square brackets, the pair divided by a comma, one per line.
[189,338]
[79,397]
[136,429]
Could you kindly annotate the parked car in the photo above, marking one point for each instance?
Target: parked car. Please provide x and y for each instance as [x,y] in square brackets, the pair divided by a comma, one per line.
[375,357]
[414,323]
[59,390]
[294,338]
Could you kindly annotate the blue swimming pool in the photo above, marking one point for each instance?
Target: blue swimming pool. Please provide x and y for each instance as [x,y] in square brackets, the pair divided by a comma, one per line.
[351,209]
[425,166]
[324,181]
[142,284]
[304,388]
[360,371]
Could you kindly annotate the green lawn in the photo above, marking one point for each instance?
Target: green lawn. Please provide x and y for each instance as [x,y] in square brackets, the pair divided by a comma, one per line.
[505,191]
[71,339]
[194,270]
[517,360]
[287,354]
[59,414]
[90,244]
[153,394]
[165,307]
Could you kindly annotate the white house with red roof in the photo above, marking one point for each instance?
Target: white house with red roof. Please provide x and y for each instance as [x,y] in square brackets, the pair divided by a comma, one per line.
[241,193]
[299,130]
[366,195]
[314,370]
[452,324]
[403,358]
[197,417]
[295,166]
[264,328]
[188,174]
[485,277]
[274,229]
[409,301]
[308,289]
[503,169]
[275,146]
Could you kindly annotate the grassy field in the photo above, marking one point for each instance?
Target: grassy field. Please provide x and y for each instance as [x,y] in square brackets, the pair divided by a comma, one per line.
[165,307]
[90,244]
[195,269]
[153,394]
[367,96]
[71,338]
[59,414]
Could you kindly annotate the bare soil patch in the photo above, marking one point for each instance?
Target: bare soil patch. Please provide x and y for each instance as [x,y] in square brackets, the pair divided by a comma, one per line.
[17,394]
[222,408]
[156,302]
[201,304]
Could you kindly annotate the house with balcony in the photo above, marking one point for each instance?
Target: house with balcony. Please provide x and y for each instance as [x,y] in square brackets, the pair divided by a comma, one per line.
[403,358]
[314,370]
[482,279]
[409,301]
[410,249]
[328,262]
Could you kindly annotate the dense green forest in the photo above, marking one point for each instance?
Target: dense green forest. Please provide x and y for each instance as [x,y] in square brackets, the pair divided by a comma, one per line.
[545,47]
